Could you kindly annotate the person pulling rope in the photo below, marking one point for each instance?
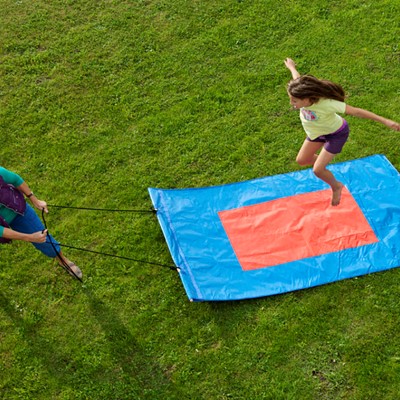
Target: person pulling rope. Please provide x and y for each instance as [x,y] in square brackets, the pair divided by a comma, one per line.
[19,221]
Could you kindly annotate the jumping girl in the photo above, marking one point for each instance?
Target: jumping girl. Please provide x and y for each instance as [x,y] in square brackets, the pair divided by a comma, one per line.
[319,101]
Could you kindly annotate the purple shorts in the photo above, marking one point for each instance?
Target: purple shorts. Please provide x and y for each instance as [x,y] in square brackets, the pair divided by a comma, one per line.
[335,141]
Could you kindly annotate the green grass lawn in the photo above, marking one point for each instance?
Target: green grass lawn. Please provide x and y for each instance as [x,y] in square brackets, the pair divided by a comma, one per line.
[100,100]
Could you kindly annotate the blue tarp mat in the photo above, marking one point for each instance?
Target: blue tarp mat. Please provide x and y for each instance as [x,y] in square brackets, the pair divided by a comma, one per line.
[208,263]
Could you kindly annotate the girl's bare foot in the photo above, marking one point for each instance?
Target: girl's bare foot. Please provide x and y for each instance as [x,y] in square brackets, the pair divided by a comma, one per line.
[337,194]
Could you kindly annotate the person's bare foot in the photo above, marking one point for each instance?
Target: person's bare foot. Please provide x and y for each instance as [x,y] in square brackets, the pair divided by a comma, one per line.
[337,194]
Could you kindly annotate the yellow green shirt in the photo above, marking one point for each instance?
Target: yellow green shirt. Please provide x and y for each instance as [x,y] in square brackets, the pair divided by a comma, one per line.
[321,118]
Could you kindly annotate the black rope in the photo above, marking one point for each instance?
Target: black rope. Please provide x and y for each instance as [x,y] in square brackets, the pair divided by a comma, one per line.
[64,264]
[172,267]
[152,210]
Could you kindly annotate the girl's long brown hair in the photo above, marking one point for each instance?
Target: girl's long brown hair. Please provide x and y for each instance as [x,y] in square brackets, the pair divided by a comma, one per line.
[310,87]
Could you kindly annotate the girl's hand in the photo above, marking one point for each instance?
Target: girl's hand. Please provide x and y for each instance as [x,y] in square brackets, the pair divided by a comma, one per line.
[392,125]
[290,64]
[38,237]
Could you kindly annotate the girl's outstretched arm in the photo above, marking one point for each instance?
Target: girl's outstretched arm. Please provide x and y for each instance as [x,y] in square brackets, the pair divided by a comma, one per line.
[291,66]
[361,113]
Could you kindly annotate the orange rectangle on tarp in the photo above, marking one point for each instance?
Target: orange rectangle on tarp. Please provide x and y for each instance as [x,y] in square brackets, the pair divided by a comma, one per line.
[296,227]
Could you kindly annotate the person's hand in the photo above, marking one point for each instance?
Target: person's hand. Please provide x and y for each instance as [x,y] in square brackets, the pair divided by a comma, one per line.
[291,66]
[392,125]
[290,63]
[38,237]
[39,204]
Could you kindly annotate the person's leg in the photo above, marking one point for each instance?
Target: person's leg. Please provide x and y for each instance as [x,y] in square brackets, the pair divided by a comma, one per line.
[319,169]
[307,153]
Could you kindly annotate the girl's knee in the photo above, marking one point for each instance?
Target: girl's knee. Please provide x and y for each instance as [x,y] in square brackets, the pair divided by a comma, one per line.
[318,171]
[303,161]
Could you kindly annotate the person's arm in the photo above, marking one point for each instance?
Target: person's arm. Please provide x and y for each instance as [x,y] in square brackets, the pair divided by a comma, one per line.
[39,204]
[15,180]
[291,66]
[36,237]
[361,113]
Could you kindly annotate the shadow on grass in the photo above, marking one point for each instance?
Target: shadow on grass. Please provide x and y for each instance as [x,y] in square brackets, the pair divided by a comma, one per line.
[37,347]
[137,368]
[133,373]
